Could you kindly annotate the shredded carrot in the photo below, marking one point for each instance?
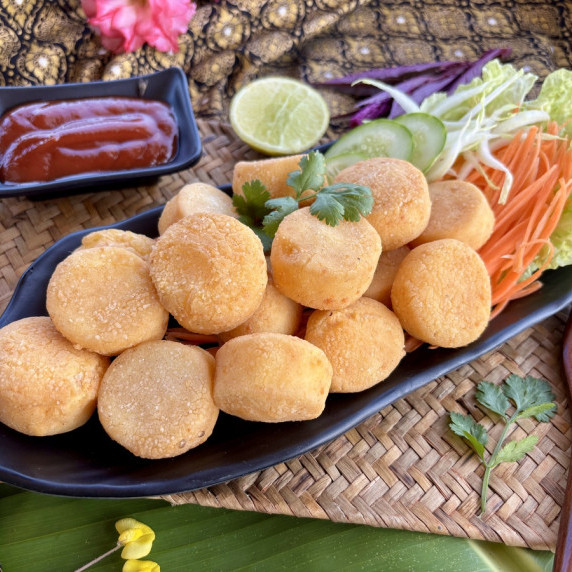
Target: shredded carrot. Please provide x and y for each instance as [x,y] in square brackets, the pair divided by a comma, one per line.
[541,165]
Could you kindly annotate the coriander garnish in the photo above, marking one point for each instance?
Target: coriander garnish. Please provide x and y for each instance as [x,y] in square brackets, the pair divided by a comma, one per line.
[332,203]
[530,396]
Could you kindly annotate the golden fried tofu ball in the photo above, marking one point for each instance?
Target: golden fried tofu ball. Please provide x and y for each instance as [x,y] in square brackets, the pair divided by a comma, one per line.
[210,272]
[103,299]
[273,173]
[276,313]
[442,293]
[402,205]
[137,243]
[321,266]
[380,287]
[459,210]
[364,343]
[47,386]
[195,198]
[156,399]
[271,377]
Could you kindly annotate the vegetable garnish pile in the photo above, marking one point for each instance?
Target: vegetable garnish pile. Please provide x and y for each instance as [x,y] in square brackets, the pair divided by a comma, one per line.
[515,149]
[332,203]
[531,397]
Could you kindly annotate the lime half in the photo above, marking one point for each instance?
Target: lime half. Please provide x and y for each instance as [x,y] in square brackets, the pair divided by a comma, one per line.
[279,115]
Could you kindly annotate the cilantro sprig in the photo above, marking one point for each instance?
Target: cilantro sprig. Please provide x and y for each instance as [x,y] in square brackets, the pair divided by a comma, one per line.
[331,203]
[530,397]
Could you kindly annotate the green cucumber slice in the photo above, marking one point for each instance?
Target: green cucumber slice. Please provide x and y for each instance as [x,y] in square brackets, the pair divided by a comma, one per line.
[377,138]
[338,163]
[429,136]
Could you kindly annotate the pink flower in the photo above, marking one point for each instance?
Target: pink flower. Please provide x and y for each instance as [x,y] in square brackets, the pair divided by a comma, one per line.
[125,25]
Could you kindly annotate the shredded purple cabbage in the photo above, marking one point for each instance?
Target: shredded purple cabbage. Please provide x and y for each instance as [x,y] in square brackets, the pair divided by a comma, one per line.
[418,81]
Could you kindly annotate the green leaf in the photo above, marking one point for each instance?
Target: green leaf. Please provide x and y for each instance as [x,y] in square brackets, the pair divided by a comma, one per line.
[466,427]
[527,392]
[342,201]
[279,208]
[492,397]
[311,175]
[251,207]
[542,412]
[44,532]
[515,450]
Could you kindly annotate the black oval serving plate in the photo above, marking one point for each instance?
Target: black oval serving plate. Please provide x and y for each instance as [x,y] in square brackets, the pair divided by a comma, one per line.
[168,85]
[86,463]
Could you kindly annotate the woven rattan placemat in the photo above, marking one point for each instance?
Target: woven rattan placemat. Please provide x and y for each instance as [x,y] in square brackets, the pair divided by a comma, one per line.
[402,468]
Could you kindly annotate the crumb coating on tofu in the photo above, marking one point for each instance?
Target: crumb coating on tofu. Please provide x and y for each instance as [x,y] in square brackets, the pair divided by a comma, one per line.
[458,210]
[103,299]
[271,378]
[46,385]
[442,293]
[322,266]
[364,343]
[210,272]
[156,399]
[401,206]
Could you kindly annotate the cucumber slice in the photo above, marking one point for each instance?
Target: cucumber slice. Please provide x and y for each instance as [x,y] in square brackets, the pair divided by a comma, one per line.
[377,138]
[339,162]
[429,136]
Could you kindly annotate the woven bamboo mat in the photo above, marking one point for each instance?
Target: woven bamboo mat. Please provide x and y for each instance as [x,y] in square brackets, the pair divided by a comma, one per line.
[402,468]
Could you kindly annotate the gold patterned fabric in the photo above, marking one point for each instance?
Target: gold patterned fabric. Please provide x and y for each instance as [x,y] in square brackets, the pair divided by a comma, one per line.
[232,42]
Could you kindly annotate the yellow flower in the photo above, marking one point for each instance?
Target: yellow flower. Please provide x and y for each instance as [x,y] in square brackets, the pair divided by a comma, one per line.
[141,566]
[136,538]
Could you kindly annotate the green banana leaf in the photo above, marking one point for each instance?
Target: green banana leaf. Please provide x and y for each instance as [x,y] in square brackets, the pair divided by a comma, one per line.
[48,533]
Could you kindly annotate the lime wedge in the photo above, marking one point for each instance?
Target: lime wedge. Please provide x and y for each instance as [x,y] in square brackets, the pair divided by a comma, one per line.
[279,115]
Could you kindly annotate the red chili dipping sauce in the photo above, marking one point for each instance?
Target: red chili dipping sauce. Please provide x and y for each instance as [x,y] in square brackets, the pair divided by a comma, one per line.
[44,141]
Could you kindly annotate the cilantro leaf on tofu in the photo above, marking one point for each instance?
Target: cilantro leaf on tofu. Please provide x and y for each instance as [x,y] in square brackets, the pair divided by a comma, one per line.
[279,208]
[251,205]
[342,201]
[331,204]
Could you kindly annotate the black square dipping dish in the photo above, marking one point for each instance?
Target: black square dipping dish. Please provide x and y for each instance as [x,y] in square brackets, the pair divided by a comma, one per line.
[169,86]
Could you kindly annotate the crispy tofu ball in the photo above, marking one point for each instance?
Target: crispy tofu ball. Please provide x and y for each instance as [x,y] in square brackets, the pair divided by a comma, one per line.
[103,299]
[271,377]
[402,205]
[137,243]
[442,293]
[156,399]
[276,313]
[273,173]
[458,210]
[380,287]
[321,266]
[195,198]
[47,386]
[364,343]
[210,272]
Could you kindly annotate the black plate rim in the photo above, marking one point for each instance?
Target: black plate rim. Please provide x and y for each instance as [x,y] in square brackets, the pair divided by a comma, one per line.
[203,479]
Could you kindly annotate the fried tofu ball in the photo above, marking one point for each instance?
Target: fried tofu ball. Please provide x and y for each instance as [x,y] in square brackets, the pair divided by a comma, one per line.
[137,243]
[195,198]
[442,293]
[272,378]
[273,173]
[47,386]
[402,205]
[321,266]
[364,343]
[210,272]
[380,287]
[276,313]
[458,210]
[103,299]
[156,399]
